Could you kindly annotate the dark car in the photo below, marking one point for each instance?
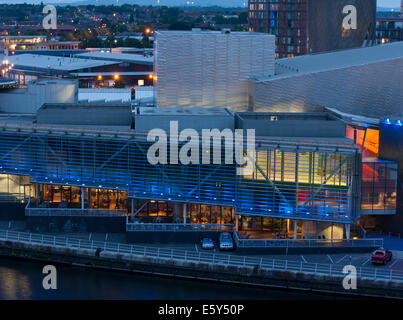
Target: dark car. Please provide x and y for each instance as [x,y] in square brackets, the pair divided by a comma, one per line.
[226,242]
[207,243]
[381,256]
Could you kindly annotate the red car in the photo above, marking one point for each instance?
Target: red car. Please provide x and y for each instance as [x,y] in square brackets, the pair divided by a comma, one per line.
[381,256]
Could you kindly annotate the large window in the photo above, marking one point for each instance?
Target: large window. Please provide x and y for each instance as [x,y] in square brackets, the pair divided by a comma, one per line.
[378,193]
[317,183]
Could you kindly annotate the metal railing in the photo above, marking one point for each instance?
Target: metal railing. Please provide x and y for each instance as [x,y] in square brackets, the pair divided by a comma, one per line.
[307,243]
[72,212]
[205,257]
[173,227]
[12,197]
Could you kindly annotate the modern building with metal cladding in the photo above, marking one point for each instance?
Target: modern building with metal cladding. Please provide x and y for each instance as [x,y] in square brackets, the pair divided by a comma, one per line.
[294,178]
[202,68]
[347,81]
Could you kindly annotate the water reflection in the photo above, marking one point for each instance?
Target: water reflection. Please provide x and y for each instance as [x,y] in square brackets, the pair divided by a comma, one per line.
[14,284]
[23,280]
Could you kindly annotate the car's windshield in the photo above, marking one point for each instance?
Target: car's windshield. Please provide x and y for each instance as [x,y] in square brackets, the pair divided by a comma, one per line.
[380,253]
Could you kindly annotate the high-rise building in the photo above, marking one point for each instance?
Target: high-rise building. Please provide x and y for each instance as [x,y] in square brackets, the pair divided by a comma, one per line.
[311,26]
[285,19]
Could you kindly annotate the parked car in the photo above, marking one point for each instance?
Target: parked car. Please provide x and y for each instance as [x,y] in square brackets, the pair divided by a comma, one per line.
[207,243]
[381,256]
[226,242]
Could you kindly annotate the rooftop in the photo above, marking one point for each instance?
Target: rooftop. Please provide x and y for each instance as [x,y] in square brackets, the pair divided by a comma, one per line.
[22,37]
[184,111]
[334,60]
[55,63]
[7,82]
[197,31]
[116,56]
[27,123]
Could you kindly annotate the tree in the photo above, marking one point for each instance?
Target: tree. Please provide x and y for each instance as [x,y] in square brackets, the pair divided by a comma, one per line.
[180,26]
[133,43]
[119,84]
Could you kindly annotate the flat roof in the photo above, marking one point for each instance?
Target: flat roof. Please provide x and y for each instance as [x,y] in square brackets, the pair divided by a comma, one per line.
[212,32]
[340,59]
[7,82]
[279,116]
[117,56]
[106,74]
[184,111]
[55,62]
[22,37]
[25,123]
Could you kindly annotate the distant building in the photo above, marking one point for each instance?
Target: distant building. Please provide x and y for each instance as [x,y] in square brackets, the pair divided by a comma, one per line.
[20,42]
[16,44]
[389,28]
[58,45]
[311,26]
[29,100]
[91,69]
[346,84]
[209,68]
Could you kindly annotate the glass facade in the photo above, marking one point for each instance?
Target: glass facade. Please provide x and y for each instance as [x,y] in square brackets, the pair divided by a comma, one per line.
[289,183]
[378,191]
[17,185]
[315,184]
[379,177]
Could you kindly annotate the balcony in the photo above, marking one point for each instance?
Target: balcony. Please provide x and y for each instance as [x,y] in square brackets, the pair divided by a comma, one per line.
[44,211]
[178,227]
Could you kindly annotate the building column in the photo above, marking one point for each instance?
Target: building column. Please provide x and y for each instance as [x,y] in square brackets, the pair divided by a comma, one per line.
[132,208]
[295,229]
[37,193]
[236,222]
[348,231]
[82,198]
[184,213]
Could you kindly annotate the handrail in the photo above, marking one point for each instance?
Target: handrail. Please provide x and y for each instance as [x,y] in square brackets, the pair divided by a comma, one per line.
[135,227]
[205,257]
[50,212]
[12,197]
[310,243]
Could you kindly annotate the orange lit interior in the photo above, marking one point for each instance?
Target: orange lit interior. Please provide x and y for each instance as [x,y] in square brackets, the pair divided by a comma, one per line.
[371,140]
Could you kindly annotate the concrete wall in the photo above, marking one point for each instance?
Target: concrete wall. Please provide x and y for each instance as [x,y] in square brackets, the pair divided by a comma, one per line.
[77,224]
[38,92]
[85,114]
[148,122]
[370,90]
[288,127]
[12,211]
[191,237]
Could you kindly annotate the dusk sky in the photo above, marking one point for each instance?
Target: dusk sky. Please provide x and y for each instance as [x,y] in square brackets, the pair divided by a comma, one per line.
[381,3]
